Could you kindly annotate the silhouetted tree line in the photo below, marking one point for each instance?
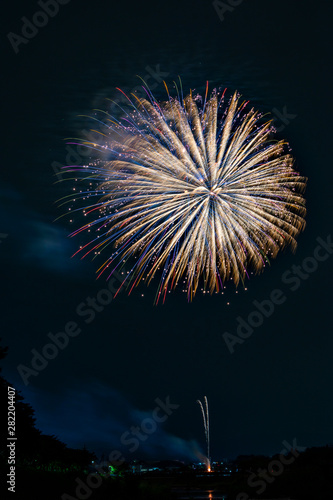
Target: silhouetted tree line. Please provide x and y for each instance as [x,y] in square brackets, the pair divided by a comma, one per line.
[49,469]
[33,448]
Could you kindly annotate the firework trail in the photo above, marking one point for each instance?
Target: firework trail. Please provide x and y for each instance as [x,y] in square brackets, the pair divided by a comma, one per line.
[195,190]
[205,416]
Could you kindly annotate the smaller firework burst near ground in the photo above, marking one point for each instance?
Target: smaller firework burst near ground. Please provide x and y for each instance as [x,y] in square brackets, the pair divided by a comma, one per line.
[205,416]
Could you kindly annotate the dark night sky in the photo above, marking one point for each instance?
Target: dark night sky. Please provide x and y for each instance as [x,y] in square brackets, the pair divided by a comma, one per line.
[276,386]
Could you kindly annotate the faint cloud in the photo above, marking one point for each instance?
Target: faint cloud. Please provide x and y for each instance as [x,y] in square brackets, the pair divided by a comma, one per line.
[96,416]
[35,239]
[48,247]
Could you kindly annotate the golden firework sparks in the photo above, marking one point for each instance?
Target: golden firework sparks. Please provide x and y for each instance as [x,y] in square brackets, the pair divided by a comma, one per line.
[196,193]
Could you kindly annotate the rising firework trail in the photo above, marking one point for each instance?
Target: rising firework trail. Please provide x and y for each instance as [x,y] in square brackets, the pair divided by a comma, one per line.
[195,191]
[205,416]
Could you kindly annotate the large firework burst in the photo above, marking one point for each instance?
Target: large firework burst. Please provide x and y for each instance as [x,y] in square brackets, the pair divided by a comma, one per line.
[196,189]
